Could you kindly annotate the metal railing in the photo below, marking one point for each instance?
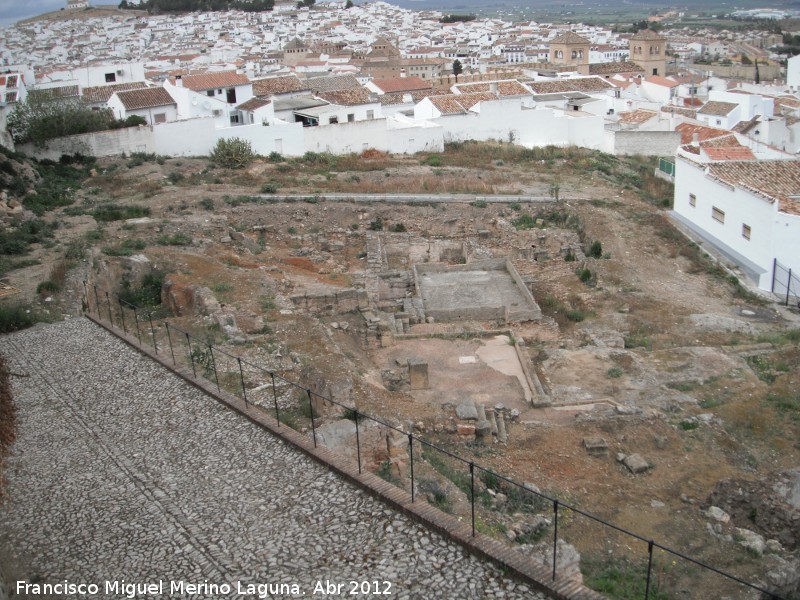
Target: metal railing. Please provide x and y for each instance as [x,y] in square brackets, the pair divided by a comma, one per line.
[296,405]
[785,283]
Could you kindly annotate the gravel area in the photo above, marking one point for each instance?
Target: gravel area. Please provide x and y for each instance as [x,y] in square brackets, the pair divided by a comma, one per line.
[122,471]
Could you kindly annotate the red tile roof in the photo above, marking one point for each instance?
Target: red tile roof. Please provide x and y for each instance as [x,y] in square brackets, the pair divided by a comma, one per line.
[253,104]
[452,104]
[663,81]
[347,97]
[637,116]
[278,85]
[401,84]
[210,81]
[777,180]
[145,98]
[687,131]
[504,88]
[576,84]
[101,93]
[730,153]
[716,108]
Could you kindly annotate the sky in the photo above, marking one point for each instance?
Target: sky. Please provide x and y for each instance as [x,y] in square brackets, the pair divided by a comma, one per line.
[12,11]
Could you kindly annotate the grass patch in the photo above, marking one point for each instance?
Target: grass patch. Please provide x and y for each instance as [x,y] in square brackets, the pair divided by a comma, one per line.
[618,578]
[763,367]
[17,239]
[176,239]
[109,212]
[615,372]
[126,248]
[459,477]
[688,425]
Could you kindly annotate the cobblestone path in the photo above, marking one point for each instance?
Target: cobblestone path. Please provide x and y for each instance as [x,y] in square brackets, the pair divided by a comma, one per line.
[122,471]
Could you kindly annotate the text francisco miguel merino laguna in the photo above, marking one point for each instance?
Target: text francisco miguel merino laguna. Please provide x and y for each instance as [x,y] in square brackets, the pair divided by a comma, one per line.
[131,590]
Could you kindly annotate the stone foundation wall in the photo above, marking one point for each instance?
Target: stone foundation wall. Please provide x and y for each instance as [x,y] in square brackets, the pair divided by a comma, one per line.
[344,301]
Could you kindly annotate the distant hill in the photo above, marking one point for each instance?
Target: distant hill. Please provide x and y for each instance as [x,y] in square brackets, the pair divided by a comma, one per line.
[86,13]
[168,6]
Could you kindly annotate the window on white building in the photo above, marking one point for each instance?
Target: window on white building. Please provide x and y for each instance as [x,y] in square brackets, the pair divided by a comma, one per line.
[111,77]
[333,120]
[351,117]
[370,114]
[746,231]
[717,214]
[692,200]
[210,93]
[160,118]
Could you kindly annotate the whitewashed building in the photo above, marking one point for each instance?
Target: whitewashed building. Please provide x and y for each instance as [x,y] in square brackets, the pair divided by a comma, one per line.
[748,210]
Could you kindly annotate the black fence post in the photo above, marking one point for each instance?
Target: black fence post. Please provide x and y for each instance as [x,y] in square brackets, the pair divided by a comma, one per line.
[411,454]
[169,339]
[214,364]
[191,354]
[86,295]
[649,568]
[358,442]
[122,317]
[110,315]
[472,493]
[774,272]
[275,398]
[153,332]
[788,286]
[136,318]
[241,378]
[555,536]
[313,424]
[96,302]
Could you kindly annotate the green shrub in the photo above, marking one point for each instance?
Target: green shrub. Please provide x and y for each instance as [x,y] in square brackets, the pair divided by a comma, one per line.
[207,203]
[269,188]
[585,275]
[176,239]
[688,425]
[398,228]
[17,316]
[147,293]
[109,212]
[480,204]
[596,249]
[233,153]
[48,287]
[17,239]
[126,248]
[221,288]
[615,372]
[524,222]
[434,160]
[275,157]
[376,224]
[175,177]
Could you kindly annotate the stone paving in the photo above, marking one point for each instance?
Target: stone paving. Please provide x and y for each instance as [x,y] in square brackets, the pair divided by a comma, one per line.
[122,471]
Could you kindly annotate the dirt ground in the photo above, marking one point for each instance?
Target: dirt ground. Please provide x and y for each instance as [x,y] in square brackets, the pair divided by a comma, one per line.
[653,353]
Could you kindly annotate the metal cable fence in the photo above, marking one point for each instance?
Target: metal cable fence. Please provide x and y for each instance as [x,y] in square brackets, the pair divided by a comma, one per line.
[448,481]
[785,284]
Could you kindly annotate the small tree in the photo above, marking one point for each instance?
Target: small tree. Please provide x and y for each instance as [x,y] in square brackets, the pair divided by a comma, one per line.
[233,153]
[41,117]
[349,4]
[458,68]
